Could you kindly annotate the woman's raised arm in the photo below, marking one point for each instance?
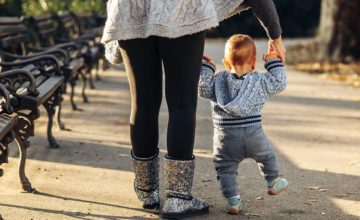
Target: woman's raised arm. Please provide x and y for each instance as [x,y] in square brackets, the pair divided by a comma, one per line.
[266,13]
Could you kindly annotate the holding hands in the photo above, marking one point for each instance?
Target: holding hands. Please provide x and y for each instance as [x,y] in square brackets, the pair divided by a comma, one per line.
[272,53]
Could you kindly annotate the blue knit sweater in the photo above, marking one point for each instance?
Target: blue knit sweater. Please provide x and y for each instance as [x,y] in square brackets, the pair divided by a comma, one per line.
[237,101]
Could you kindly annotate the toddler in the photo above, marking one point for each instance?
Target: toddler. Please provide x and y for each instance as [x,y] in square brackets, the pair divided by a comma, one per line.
[237,96]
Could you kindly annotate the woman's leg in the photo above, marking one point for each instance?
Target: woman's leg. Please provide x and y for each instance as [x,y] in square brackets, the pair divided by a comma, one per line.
[182,61]
[143,66]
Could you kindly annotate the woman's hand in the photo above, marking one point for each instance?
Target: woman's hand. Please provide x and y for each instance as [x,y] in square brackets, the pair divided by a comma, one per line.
[279,48]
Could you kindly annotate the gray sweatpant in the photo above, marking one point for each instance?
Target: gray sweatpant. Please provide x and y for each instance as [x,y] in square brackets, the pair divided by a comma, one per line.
[232,145]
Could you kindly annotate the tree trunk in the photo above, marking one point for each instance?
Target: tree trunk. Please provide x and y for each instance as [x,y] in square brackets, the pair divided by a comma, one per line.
[339,31]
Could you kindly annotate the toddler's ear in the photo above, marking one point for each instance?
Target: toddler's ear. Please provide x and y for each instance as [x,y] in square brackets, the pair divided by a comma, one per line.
[254,63]
[226,64]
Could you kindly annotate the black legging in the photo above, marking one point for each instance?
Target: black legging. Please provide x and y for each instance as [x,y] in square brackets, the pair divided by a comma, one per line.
[143,60]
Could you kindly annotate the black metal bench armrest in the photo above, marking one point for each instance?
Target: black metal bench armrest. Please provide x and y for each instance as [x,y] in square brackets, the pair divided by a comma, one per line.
[57,52]
[67,45]
[9,79]
[78,41]
[39,62]
[5,104]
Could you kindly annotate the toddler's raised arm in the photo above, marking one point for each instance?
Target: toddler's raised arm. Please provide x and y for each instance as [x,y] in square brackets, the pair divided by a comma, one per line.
[275,80]
[206,89]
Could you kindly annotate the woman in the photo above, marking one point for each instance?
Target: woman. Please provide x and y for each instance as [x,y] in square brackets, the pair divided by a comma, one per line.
[152,33]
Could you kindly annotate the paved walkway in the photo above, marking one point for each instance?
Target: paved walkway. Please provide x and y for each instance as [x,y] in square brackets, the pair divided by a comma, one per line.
[314,126]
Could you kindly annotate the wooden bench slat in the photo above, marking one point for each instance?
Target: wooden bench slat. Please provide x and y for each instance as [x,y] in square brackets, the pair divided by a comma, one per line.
[76,64]
[47,88]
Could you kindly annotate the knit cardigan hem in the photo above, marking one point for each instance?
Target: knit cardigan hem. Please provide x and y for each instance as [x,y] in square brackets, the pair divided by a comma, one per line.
[114,34]
[161,30]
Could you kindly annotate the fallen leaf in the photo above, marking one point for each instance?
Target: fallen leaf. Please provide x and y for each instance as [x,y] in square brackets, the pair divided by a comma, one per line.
[317,188]
[252,214]
[313,188]
[259,198]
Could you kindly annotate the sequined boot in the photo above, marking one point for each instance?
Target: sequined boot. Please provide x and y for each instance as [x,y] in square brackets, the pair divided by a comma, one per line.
[179,202]
[146,183]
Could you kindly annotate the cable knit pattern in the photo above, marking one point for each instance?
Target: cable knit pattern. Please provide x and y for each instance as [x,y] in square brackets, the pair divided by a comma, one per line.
[130,19]
[237,102]
[112,52]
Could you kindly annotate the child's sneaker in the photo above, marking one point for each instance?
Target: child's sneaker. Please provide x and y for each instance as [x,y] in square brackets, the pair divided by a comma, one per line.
[277,186]
[233,206]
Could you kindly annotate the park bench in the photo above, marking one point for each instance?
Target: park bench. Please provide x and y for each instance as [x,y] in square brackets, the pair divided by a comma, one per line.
[22,43]
[45,69]
[90,23]
[93,23]
[69,27]
[22,93]
[49,86]
[46,30]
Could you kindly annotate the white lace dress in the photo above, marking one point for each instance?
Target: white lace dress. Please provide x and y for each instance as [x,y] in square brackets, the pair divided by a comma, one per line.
[130,19]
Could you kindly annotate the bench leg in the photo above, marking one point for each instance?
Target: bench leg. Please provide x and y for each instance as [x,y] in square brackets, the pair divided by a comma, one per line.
[83,93]
[97,67]
[50,106]
[72,96]
[4,153]
[23,130]
[91,80]
[25,183]
[60,123]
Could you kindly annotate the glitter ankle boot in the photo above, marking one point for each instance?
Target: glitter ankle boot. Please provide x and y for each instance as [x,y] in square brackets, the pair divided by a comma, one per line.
[146,183]
[179,202]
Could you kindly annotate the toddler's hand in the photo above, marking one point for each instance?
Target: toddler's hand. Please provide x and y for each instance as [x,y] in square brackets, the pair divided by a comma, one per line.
[208,59]
[270,56]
